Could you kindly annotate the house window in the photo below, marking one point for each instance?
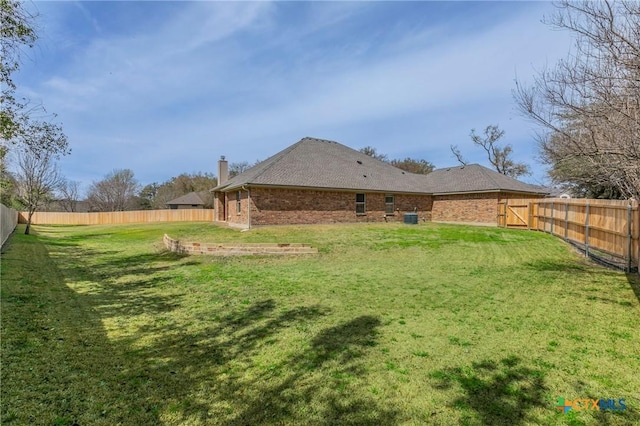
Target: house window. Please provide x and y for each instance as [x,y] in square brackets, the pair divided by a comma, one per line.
[389,205]
[238,205]
[360,204]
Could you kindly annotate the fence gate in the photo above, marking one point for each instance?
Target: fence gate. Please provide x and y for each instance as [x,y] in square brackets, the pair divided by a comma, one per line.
[513,214]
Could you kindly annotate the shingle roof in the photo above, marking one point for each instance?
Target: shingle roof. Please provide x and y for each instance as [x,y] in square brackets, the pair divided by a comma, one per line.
[318,163]
[475,178]
[191,198]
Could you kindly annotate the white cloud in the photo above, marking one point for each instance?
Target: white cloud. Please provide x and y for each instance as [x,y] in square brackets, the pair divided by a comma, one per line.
[424,80]
[151,65]
[235,77]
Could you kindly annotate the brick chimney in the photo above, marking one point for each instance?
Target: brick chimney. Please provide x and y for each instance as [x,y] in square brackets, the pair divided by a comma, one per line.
[223,171]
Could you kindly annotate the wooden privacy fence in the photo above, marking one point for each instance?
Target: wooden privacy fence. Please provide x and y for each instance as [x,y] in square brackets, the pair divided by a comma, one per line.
[108,218]
[8,219]
[602,228]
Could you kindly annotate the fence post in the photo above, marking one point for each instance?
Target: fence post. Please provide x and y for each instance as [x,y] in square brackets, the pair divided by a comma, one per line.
[586,231]
[566,220]
[553,217]
[629,229]
[636,229]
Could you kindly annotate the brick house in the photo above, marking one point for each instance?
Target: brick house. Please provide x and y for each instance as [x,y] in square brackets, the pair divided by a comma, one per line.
[192,200]
[320,181]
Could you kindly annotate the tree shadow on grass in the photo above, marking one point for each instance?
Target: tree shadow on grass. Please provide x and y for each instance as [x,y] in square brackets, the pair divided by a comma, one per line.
[58,361]
[634,282]
[345,342]
[556,265]
[122,284]
[498,392]
[314,378]
[63,366]
[587,268]
[317,380]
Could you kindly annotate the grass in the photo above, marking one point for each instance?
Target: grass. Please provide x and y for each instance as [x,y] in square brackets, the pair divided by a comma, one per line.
[389,324]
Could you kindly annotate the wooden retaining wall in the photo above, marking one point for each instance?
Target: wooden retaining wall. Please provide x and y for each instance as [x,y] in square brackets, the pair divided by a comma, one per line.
[110,218]
[234,249]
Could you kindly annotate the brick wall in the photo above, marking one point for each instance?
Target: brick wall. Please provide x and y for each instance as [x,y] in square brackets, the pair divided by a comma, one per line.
[219,206]
[272,206]
[476,208]
[233,217]
[422,204]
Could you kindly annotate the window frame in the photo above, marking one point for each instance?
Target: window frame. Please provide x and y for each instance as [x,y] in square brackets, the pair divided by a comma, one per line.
[239,202]
[361,205]
[389,207]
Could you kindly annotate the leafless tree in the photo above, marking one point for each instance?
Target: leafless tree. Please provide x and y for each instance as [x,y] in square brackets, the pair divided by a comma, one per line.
[236,168]
[588,105]
[115,192]
[456,153]
[37,178]
[499,157]
[69,193]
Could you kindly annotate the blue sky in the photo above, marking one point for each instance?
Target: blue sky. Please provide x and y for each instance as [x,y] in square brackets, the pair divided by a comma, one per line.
[164,88]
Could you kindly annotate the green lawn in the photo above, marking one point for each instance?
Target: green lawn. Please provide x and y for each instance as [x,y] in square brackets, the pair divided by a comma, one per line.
[388,324]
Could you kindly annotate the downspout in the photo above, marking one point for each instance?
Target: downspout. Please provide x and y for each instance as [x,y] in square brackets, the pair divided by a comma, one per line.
[248,205]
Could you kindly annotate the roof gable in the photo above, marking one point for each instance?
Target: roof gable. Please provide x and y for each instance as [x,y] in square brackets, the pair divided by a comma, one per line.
[318,163]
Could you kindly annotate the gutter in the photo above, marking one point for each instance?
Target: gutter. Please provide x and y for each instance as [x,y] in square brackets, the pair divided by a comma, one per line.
[489,191]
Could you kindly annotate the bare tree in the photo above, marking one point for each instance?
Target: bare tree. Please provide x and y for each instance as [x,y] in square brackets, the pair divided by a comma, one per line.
[38,177]
[588,105]
[69,193]
[116,192]
[236,168]
[499,157]
[456,152]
